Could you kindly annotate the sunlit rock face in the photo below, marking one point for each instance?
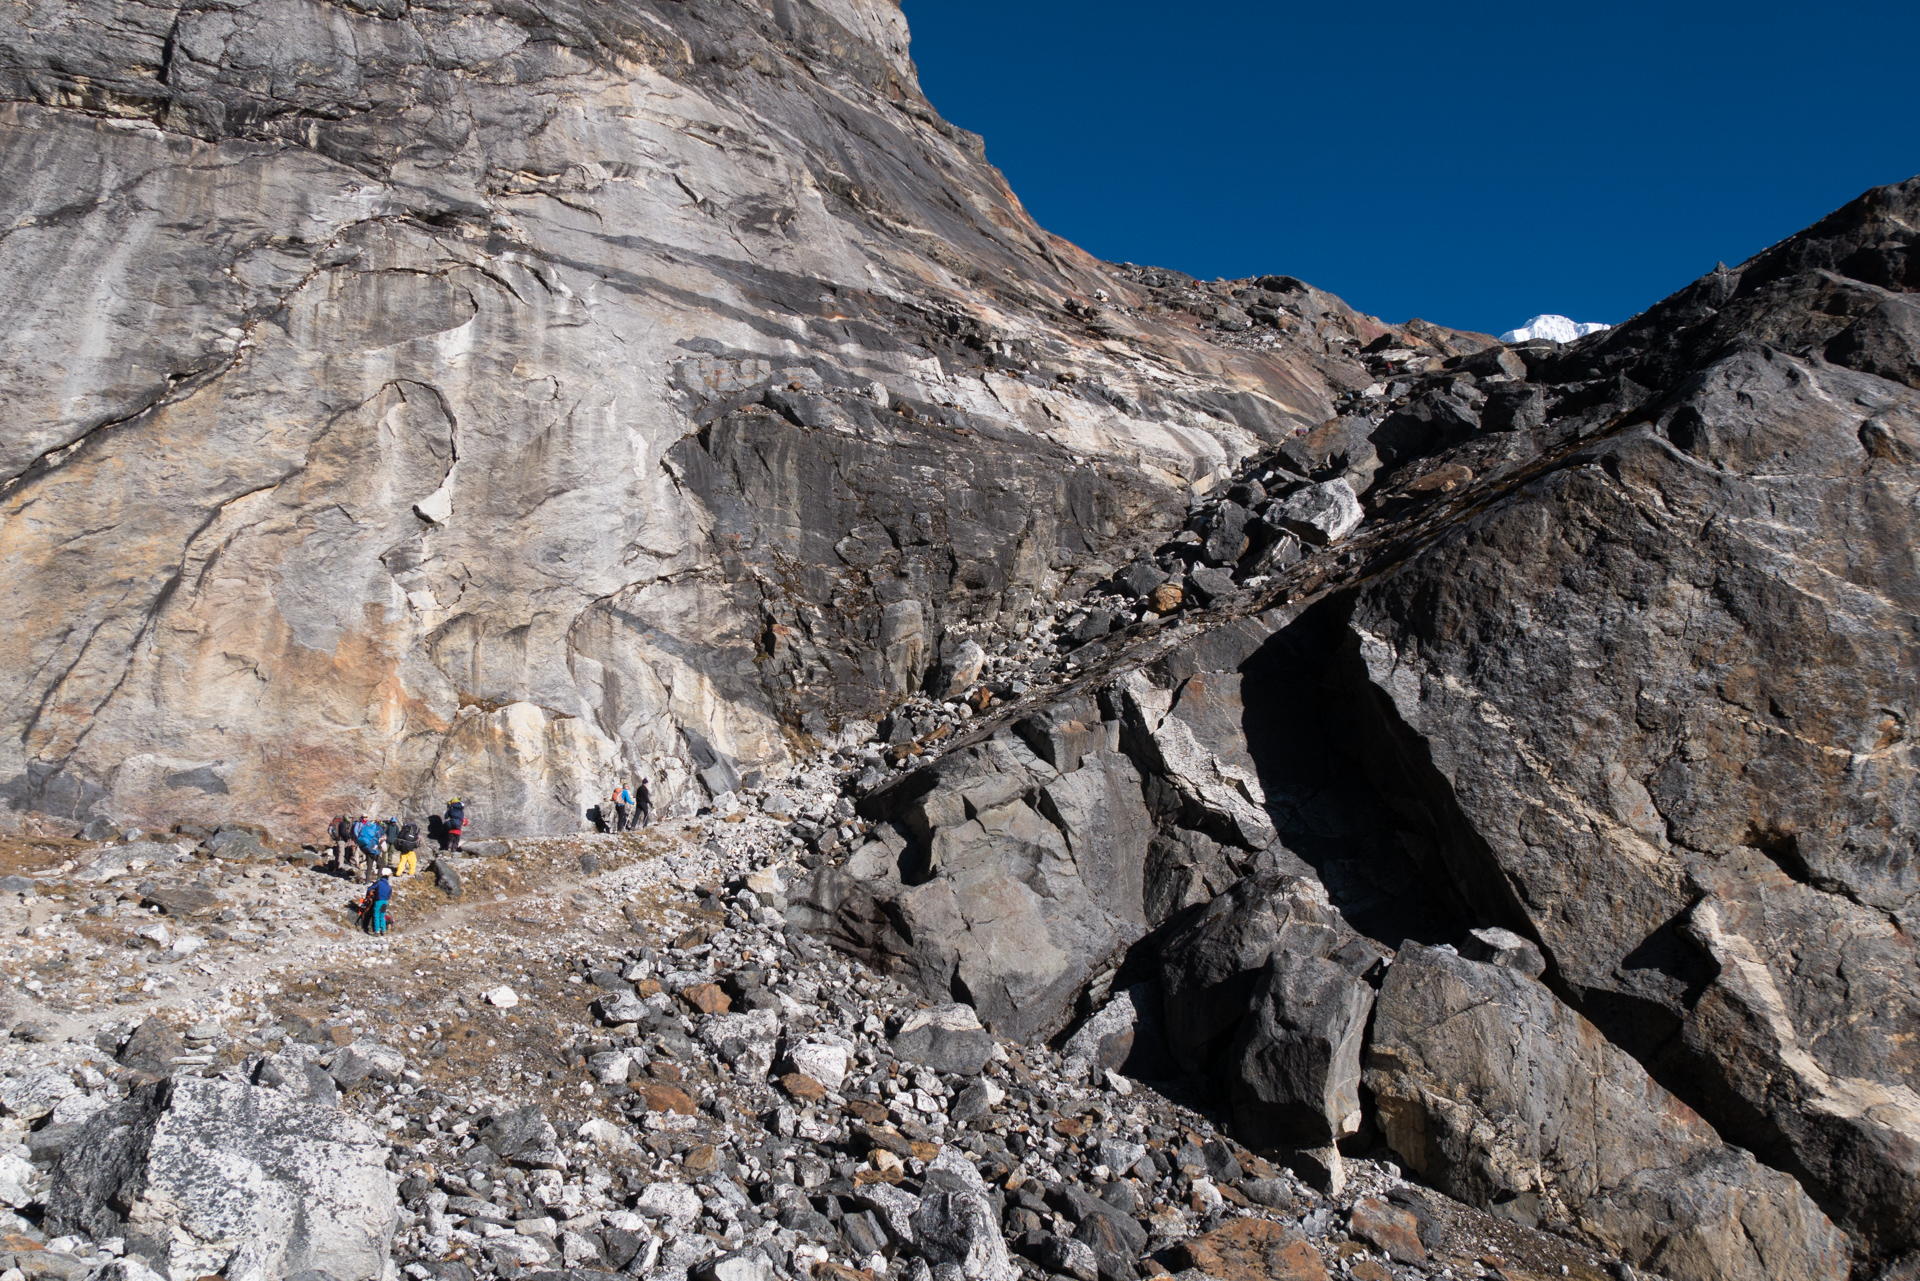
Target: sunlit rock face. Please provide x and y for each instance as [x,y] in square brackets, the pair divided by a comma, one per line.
[496,399]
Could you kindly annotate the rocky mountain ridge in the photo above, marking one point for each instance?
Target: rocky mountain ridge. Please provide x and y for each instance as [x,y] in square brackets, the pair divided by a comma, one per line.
[1392,743]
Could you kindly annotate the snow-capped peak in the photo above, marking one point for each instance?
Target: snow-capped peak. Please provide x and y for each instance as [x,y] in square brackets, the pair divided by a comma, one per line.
[1553,329]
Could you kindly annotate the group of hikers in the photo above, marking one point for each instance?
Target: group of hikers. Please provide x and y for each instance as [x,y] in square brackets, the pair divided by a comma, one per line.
[623,810]
[372,851]
[363,845]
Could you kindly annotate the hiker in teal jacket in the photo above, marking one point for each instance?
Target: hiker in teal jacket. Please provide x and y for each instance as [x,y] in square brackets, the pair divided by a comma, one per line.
[375,904]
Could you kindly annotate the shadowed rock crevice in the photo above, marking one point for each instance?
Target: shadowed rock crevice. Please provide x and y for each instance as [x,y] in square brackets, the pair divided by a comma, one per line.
[1638,703]
[1354,797]
[1595,702]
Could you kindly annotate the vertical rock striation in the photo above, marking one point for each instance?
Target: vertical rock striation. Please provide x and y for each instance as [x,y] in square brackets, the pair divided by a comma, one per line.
[492,399]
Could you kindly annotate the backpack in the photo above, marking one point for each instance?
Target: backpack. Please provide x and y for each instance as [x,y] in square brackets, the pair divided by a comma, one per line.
[456,816]
[409,840]
[368,835]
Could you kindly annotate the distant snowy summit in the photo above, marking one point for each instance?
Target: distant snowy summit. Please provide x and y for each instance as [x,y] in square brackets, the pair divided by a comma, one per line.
[1553,329]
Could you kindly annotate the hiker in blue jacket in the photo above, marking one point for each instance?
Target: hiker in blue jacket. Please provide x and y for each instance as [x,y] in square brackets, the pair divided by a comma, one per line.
[374,906]
[369,835]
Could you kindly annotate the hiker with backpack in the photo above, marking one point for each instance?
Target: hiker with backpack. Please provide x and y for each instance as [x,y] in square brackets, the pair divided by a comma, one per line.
[351,854]
[369,836]
[643,804]
[455,822]
[373,908]
[406,840]
[340,832]
[617,802]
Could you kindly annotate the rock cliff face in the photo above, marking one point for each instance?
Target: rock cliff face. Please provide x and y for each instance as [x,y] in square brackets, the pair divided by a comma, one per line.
[1501,753]
[481,398]
[1610,686]
[1661,693]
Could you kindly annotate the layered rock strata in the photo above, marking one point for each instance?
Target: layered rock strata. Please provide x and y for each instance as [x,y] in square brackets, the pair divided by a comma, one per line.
[411,401]
[1651,706]
[1504,1097]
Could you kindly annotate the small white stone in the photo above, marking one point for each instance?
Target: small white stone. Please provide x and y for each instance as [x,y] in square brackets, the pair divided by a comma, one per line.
[436,508]
[503,997]
[16,1182]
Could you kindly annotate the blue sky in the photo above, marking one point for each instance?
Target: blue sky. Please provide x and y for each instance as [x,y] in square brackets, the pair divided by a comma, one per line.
[1472,165]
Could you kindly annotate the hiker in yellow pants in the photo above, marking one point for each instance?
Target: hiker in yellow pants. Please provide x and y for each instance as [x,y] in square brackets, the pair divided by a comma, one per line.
[407,842]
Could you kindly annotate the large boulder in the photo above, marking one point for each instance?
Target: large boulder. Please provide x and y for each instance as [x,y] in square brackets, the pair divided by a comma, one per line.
[955,1225]
[1502,1096]
[1293,1073]
[1014,882]
[1266,988]
[204,1176]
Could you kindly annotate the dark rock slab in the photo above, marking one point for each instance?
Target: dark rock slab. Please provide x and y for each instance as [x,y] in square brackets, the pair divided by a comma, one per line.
[152,1048]
[1502,1096]
[184,901]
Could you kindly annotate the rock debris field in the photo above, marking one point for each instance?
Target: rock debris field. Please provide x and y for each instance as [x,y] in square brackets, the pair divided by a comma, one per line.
[600,1054]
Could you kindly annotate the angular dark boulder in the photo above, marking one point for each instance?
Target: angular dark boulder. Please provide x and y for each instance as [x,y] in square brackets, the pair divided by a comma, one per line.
[945,1038]
[525,1137]
[151,1048]
[1504,1097]
[1023,880]
[1264,987]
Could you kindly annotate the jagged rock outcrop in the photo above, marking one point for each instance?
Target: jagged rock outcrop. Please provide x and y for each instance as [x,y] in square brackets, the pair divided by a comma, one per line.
[496,400]
[1004,881]
[492,400]
[1266,988]
[1652,707]
[1618,699]
[1504,1097]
